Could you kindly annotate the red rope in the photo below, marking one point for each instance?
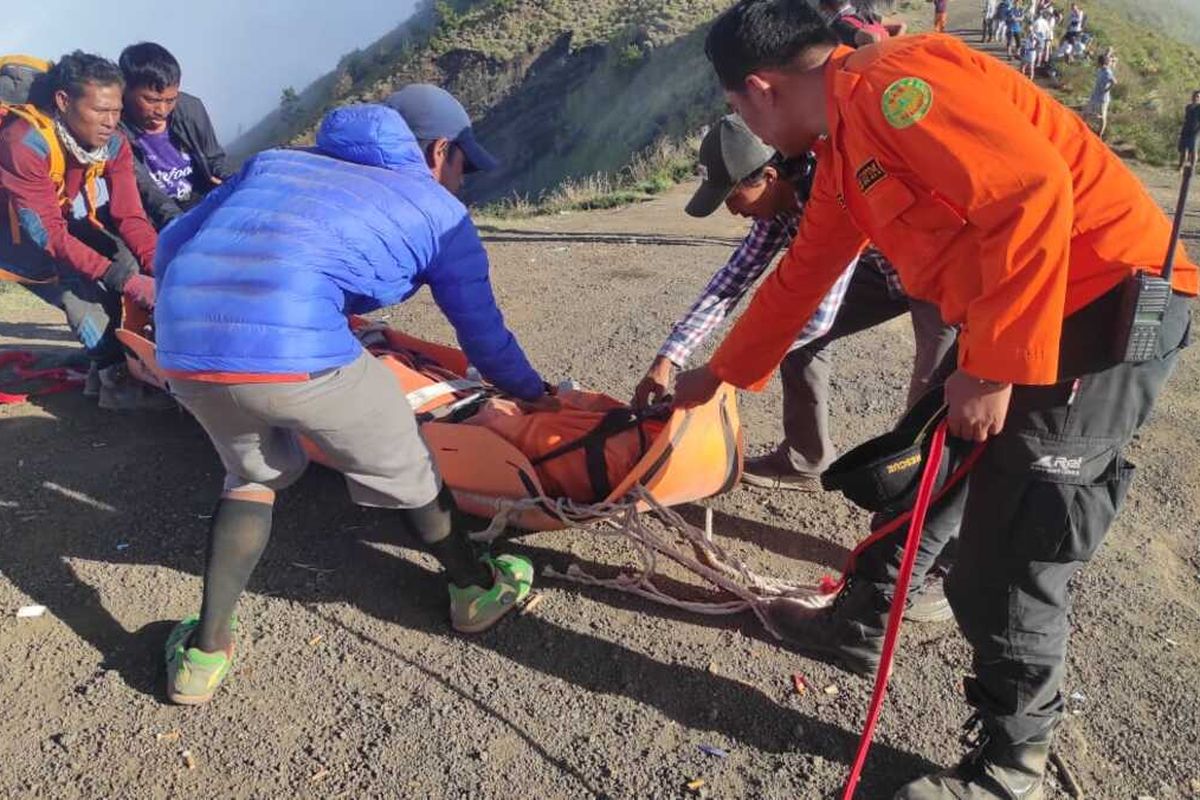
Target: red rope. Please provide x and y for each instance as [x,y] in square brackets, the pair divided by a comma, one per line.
[60,379]
[925,498]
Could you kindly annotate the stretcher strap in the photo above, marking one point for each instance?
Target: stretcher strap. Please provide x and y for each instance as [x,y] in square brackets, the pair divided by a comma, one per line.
[920,509]
[59,379]
[613,423]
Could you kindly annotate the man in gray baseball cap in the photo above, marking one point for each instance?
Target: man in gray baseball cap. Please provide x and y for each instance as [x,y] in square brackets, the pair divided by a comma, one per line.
[443,128]
[729,154]
[738,170]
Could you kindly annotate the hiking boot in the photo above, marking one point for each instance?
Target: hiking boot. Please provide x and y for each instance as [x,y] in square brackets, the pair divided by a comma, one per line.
[775,471]
[474,609]
[120,391]
[848,632]
[928,602]
[193,676]
[91,384]
[989,772]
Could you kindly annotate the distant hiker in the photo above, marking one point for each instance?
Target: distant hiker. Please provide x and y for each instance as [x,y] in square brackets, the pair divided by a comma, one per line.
[850,26]
[987,28]
[941,14]
[1101,97]
[1190,132]
[1042,32]
[78,237]
[741,173]
[1076,20]
[176,153]
[1015,22]
[1030,52]
[1000,21]
[254,287]
[995,202]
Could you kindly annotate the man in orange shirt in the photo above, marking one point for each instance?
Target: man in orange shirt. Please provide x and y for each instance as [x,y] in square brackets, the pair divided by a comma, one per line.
[999,205]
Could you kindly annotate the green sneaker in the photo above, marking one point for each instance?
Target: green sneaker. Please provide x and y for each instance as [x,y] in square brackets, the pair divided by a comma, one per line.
[475,609]
[193,675]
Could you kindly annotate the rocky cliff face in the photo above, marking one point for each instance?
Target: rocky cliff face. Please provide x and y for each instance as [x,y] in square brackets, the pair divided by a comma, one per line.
[558,88]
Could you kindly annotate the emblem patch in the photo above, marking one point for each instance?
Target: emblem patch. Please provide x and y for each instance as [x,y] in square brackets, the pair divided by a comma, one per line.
[869,174]
[906,102]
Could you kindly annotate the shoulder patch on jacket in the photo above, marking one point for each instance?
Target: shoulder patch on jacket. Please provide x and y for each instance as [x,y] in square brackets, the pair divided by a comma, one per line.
[33,227]
[34,140]
[906,102]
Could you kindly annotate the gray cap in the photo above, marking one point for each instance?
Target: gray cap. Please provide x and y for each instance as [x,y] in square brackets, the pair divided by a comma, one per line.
[433,113]
[729,154]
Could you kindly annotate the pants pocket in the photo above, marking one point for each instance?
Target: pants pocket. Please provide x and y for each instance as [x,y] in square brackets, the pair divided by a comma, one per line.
[1066,522]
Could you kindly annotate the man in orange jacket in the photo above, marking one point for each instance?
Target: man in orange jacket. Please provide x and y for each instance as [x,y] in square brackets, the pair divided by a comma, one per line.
[999,205]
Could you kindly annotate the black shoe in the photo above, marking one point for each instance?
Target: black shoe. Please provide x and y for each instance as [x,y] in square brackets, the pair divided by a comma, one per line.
[927,602]
[991,771]
[775,471]
[848,633]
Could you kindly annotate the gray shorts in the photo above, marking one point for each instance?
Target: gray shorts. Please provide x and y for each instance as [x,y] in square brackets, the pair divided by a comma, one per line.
[357,416]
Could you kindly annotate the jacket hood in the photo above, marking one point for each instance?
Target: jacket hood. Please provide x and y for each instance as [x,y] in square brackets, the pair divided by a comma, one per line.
[372,135]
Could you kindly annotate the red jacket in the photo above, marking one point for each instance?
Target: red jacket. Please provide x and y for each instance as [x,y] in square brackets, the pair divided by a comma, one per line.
[25,183]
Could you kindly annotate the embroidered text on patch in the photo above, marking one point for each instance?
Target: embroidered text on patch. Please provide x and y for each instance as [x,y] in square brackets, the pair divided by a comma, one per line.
[906,102]
[869,174]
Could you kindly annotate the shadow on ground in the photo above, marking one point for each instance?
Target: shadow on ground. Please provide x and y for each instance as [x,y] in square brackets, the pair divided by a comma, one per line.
[136,490]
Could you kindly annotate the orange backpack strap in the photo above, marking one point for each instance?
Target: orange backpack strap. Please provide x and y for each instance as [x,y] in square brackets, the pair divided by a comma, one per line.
[91,196]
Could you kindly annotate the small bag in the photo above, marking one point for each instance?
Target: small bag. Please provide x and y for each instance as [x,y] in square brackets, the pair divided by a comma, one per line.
[882,474]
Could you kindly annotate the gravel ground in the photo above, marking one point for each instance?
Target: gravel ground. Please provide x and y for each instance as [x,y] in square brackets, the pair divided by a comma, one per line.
[350,683]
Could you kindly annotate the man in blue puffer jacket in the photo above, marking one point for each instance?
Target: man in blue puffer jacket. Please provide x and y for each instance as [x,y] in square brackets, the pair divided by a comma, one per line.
[254,285]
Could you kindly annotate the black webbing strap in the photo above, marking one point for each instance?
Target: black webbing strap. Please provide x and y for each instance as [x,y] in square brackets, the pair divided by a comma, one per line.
[613,423]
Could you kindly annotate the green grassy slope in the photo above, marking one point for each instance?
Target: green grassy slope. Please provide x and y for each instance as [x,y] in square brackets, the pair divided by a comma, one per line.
[560,89]
[564,89]
[1156,73]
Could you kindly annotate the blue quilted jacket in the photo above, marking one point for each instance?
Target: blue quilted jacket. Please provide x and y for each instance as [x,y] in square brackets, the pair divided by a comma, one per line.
[259,277]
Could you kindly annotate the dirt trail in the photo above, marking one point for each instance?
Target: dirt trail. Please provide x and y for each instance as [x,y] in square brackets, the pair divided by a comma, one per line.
[351,685]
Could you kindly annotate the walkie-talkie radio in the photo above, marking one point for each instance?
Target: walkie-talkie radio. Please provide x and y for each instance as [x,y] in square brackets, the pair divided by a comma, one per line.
[1145,297]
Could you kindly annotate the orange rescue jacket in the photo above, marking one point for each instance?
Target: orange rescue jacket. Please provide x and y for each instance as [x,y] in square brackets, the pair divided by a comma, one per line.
[993,201]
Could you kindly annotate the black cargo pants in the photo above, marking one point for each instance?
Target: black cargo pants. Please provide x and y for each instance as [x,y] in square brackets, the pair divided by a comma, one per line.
[1034,510]
[1038,506]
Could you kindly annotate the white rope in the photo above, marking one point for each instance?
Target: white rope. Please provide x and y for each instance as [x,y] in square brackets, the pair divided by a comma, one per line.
[707,559]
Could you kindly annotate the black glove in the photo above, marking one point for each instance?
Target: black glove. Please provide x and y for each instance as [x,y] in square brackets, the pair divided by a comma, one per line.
[123,267]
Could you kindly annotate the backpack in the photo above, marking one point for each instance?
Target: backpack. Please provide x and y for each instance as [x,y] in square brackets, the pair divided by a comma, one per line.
[17,76]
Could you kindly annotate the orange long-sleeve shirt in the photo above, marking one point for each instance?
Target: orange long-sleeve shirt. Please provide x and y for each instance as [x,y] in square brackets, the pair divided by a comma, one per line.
[992,200]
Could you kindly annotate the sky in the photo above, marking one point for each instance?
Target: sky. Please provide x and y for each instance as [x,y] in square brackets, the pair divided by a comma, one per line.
[237,55]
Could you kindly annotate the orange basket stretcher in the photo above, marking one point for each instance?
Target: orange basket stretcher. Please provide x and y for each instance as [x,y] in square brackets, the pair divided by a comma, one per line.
[697,454]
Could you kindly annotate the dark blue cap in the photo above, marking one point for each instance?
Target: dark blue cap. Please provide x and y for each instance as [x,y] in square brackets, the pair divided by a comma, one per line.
[433,113]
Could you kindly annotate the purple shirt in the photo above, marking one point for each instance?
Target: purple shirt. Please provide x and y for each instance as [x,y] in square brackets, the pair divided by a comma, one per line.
[170,168]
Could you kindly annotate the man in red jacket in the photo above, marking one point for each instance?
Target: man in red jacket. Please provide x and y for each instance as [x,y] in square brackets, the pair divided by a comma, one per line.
[77,235]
